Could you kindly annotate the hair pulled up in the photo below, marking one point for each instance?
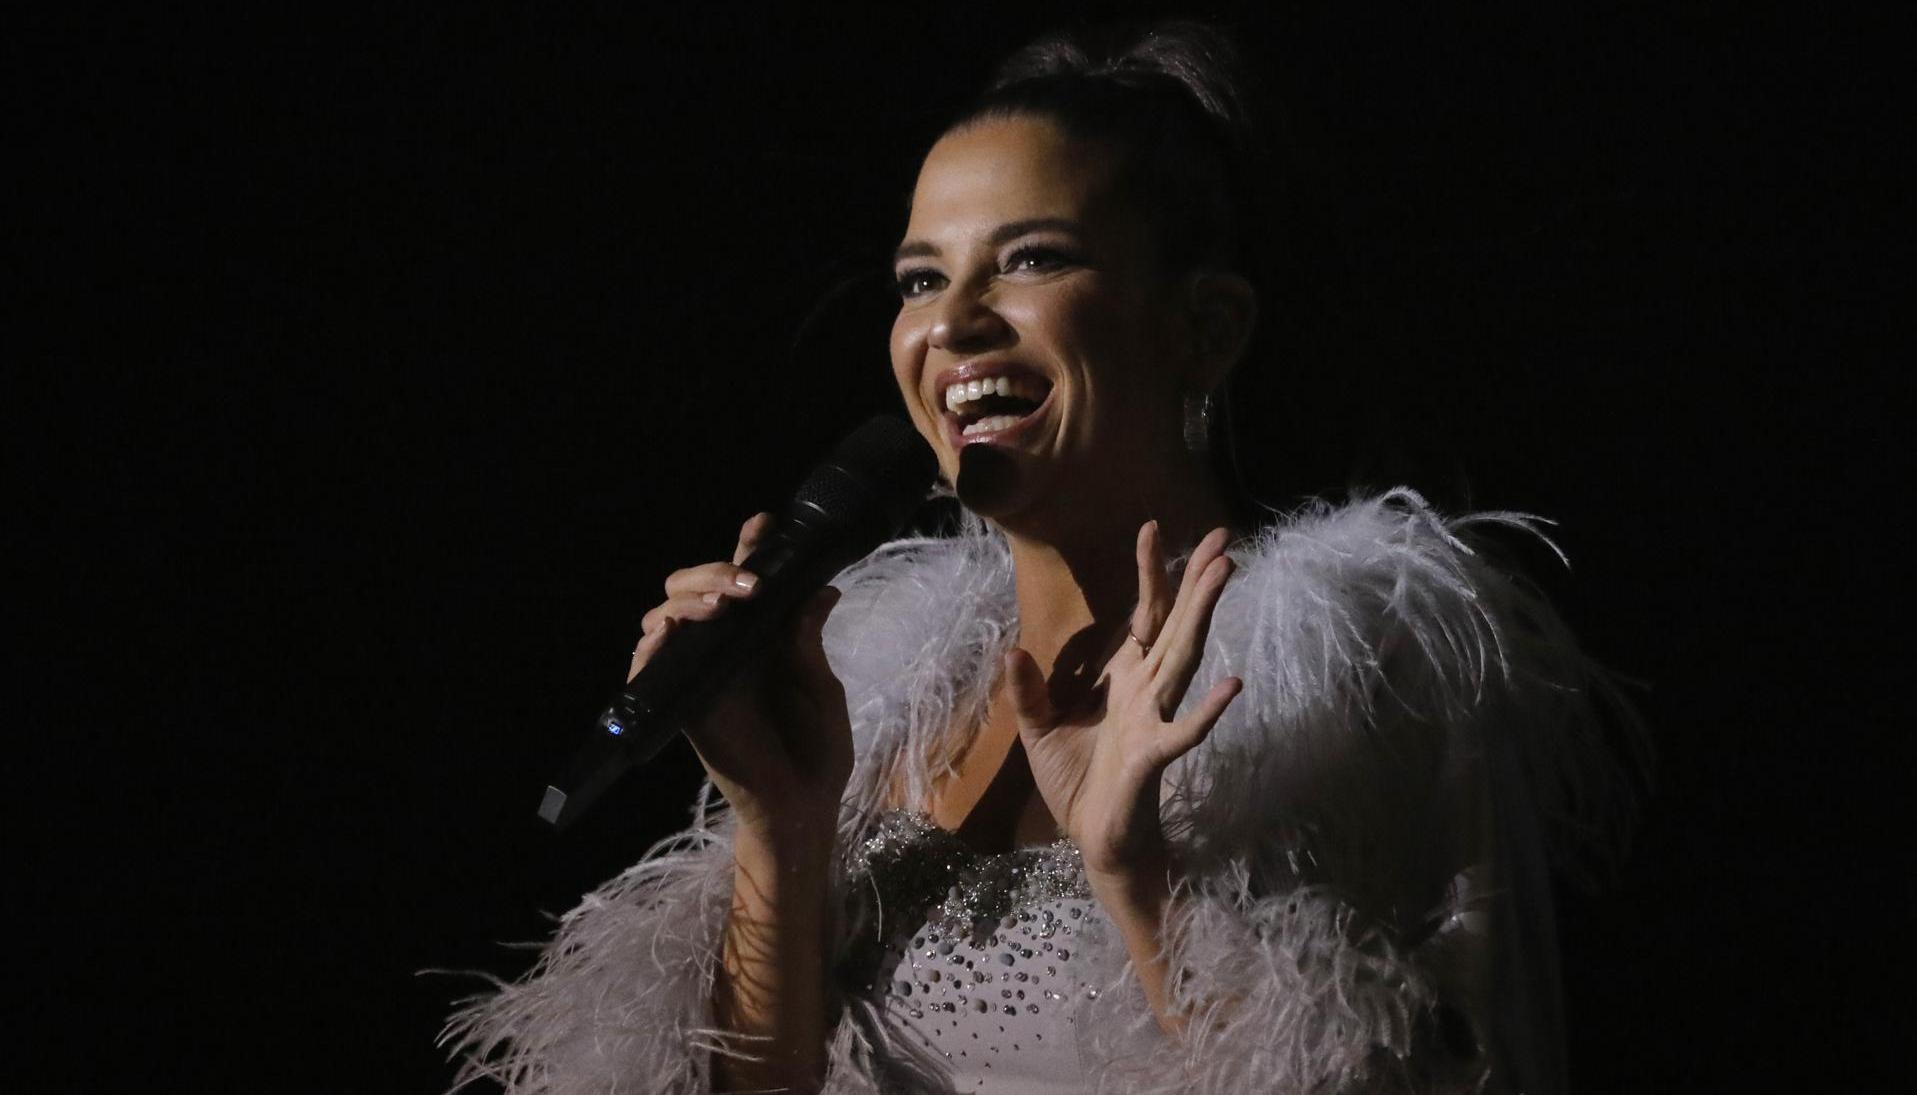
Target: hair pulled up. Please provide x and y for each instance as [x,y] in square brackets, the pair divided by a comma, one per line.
[1175,98]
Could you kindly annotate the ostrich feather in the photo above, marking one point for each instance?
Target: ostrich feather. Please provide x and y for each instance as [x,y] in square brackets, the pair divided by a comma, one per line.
[1365,832]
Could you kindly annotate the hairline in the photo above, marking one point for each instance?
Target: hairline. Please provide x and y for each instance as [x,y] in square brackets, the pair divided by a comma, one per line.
[1126,173]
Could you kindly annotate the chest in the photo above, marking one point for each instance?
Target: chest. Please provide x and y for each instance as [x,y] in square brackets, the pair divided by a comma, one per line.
[978,963]
[990,799]
[997,1009]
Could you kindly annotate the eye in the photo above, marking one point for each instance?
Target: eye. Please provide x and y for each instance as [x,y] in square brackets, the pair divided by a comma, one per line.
[1037,258]
[917,281]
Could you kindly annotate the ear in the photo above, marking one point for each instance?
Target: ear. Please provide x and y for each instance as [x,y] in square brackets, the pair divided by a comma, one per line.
[1223,308]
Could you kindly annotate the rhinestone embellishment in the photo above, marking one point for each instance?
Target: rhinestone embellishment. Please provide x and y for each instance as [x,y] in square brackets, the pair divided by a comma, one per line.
[912,866]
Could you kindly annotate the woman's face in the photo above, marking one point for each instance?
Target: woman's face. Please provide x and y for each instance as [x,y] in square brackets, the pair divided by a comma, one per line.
[1031,321]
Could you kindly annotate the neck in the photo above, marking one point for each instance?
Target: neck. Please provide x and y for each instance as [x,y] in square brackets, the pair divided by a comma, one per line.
[1076,577]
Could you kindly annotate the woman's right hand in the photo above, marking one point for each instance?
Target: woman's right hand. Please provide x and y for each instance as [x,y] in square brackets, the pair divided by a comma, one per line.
[776,742]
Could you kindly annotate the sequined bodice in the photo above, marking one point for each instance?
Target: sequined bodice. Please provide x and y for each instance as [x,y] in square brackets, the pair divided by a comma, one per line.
[974,968]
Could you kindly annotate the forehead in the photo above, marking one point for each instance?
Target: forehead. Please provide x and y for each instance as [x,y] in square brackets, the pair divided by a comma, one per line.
[1008,169]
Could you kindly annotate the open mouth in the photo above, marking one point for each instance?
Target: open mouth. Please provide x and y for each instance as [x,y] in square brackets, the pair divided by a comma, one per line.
[992,405]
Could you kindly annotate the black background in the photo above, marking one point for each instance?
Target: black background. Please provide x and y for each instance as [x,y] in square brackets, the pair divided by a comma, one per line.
[376,365]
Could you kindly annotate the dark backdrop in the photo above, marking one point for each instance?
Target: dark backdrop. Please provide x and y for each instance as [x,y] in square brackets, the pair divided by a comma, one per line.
[377,365]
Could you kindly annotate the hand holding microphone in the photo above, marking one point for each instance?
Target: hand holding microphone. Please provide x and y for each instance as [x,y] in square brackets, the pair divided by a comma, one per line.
[851,503]
[775,740]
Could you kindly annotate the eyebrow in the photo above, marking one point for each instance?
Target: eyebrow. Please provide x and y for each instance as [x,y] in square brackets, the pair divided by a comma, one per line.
[1004,232]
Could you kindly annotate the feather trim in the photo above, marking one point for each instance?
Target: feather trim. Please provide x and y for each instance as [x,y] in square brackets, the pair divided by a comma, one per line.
[621,997]
[1412,716]
[1292,993]
[1382,655]
[915,639]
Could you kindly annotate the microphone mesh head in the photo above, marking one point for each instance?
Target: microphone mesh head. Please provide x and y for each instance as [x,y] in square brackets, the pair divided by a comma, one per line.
[885,441]
[881,470]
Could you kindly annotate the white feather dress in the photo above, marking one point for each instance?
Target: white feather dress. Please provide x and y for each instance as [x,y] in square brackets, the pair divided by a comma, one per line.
[1367,834]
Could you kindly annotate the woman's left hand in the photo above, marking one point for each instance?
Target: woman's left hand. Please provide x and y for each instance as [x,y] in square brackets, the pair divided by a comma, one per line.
[1099,770]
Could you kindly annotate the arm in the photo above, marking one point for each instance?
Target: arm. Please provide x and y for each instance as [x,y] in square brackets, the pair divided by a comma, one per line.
[777,744]
[1100,771]
[707,959]
[1386,663]
[770,985]
[1141,905]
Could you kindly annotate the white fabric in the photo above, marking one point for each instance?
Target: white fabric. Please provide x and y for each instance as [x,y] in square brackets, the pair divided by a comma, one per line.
[1366,833]
[999,1012]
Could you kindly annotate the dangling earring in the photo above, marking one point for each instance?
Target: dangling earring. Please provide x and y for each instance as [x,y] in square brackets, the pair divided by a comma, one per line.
[1198,423]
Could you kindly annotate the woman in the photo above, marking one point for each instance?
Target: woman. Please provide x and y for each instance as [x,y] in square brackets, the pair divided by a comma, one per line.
[1035,810]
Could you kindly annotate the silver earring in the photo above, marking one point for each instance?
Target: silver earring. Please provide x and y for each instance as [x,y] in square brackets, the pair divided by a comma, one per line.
[1198,423]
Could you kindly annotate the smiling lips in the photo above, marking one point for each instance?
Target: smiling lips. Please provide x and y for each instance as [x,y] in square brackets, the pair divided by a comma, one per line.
[986,401]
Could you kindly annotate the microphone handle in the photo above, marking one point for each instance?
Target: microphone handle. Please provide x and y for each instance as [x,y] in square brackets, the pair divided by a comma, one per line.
[688,671]
[702,655]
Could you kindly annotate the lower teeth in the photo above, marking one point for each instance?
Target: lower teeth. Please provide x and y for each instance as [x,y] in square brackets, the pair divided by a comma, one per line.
[987,425]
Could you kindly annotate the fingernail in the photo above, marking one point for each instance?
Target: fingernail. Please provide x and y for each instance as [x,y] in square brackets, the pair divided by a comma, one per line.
[710,598]
[745,581]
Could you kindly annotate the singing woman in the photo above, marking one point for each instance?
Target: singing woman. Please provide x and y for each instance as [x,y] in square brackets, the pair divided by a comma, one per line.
[1129,785]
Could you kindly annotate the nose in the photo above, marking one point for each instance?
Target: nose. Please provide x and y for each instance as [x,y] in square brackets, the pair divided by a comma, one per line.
[965,323]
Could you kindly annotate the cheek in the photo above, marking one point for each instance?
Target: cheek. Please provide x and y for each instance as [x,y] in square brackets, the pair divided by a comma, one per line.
[907,348]
[1098,332]
[908,364]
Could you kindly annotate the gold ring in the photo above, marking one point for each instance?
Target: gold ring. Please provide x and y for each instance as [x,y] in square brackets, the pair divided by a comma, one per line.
[1143,646]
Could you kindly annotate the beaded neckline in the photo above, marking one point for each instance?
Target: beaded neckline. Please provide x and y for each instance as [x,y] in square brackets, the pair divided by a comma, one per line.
[912,868]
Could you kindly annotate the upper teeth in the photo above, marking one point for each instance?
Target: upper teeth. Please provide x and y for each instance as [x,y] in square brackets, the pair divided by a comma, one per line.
[1018,387]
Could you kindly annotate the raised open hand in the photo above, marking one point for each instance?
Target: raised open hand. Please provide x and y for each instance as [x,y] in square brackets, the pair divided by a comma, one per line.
[1099,769]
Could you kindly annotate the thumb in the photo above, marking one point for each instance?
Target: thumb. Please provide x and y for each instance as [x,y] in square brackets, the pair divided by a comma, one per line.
[1030,698]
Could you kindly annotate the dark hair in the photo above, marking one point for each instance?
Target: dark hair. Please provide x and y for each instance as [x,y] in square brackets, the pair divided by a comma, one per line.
[1175,99]
[1177,102]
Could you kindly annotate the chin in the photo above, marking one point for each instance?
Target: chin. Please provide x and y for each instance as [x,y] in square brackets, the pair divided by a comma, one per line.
[990,481]
[1009,488]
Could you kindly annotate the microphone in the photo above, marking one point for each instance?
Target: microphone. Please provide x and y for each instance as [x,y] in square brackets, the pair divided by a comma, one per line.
[858,498]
